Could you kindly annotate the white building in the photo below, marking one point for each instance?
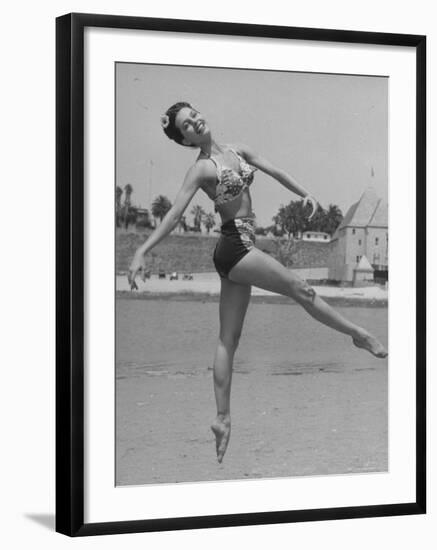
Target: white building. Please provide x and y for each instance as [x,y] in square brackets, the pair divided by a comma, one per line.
[315,236]
[362,233]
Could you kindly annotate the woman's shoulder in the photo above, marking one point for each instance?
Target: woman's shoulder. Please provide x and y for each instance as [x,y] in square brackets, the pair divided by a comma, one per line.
[203,168]
[241,148]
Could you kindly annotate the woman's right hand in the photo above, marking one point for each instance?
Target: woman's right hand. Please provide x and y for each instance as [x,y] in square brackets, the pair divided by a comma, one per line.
[137,267]
[313,203]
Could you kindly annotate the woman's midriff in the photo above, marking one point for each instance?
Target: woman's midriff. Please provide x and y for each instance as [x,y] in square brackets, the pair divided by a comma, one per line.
[241,209]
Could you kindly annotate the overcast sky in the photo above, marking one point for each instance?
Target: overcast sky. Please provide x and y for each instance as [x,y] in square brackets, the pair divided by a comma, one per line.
[328,131]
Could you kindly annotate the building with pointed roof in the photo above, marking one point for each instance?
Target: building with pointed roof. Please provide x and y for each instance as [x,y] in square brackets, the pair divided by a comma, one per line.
[363,233]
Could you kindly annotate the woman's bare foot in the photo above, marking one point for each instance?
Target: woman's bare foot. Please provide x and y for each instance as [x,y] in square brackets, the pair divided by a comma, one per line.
[370,343]
[221,428]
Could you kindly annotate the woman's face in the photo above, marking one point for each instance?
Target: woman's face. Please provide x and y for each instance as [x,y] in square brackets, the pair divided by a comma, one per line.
[192,126]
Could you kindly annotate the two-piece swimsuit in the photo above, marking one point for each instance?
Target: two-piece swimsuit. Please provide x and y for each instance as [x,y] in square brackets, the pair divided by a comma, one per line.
[238,234]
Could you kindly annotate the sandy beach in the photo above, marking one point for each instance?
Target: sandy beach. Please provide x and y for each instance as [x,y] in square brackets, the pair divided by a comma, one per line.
[305,401]
[314,423]
[208,284]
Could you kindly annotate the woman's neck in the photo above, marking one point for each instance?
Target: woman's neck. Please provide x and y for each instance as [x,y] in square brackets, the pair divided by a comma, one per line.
[212,148]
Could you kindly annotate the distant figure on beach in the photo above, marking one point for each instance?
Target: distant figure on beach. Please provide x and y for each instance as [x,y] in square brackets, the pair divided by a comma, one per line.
[225,172]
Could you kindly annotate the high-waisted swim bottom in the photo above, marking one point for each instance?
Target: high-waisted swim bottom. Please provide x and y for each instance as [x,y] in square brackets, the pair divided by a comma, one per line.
[236,240]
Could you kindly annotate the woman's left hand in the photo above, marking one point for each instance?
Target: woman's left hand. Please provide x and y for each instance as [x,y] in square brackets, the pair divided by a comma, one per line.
[313,203]
[137,267]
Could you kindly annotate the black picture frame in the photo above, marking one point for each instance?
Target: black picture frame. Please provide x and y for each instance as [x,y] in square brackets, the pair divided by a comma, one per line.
[70,489]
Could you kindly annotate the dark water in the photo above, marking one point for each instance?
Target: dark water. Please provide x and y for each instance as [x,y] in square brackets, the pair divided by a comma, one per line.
[165,337]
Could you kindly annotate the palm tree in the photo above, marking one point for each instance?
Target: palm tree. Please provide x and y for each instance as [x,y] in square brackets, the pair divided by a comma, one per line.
[160,206]
[128,189]
[334,217]
[118,194]
[183,224]
[198,213]
[291,218]
[209,222]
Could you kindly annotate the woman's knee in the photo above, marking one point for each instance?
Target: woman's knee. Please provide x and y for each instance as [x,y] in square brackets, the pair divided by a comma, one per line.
[301,291]
[230,339]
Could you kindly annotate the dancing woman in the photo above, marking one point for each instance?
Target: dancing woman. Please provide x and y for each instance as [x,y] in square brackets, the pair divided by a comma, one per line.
[225,173]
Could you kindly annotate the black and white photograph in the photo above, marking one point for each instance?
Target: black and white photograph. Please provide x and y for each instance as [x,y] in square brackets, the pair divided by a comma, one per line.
[240,277]
[216,275]
[251,274]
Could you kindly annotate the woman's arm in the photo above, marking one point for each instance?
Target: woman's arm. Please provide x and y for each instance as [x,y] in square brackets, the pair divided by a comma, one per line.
[284,179]
[195,176]
[267,167]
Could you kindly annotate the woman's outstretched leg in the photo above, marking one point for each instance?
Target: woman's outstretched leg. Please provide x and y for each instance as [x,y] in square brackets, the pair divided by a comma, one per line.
[234,299]
[259,269]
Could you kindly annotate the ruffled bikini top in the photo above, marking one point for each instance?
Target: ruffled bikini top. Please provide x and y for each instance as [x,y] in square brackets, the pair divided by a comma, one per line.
[230,183]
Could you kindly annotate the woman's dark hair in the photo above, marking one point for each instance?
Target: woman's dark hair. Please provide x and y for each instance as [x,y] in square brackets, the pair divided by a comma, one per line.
[169,125]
